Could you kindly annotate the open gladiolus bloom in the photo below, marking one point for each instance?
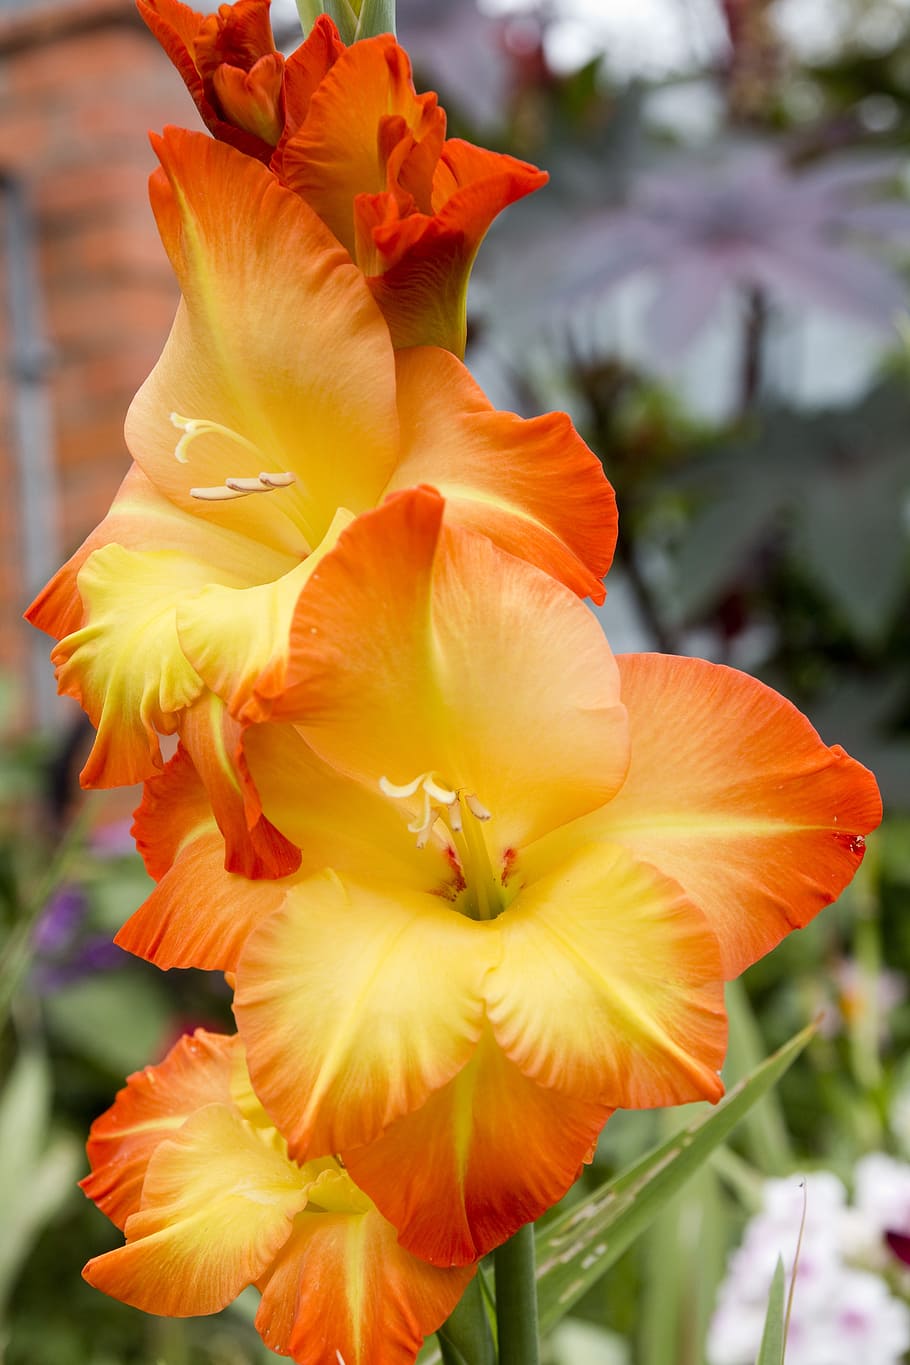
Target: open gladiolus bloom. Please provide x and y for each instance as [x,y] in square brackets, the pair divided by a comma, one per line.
[475,882]
[189,1164]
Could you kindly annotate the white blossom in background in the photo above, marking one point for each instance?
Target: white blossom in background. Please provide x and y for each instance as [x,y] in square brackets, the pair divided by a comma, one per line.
[843,1312]
[882,1199]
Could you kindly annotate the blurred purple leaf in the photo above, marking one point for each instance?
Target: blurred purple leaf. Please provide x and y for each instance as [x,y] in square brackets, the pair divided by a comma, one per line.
[748,222]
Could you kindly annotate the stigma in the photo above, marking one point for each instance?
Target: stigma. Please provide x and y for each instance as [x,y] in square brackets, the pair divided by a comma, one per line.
[235,487]
[438,802]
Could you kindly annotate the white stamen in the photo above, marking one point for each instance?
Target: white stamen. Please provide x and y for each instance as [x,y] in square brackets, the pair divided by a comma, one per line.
[423,837]
[236,486]
[437,802]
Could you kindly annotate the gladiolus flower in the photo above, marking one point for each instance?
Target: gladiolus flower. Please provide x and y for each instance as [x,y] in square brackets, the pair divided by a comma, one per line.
[277,411]
[586,847]
[190,1166]
[346,130]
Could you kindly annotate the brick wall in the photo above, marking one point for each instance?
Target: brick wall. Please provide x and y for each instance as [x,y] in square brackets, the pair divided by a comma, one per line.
[80,84]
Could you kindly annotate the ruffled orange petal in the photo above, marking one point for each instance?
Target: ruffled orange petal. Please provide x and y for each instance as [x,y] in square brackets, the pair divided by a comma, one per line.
[609,986]
[178,28]
[184,850]
[731,793]
[411,654]
[239,34]
[487,1153]
[342,1288]
[354,1003]
[305,70]
[532,486]
[420,262]
[363,108]
[218,1203]
[214,742]
[251,389]
[153,1105]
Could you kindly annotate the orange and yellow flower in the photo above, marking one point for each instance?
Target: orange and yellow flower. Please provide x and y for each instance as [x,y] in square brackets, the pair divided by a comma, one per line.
[277,412]
[190,1166]
[345,129]
[527,869]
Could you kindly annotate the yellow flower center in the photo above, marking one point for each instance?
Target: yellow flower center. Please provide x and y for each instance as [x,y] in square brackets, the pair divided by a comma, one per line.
[444,805]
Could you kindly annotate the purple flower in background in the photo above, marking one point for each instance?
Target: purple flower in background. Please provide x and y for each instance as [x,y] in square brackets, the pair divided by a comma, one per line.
[60,921]
[63,951]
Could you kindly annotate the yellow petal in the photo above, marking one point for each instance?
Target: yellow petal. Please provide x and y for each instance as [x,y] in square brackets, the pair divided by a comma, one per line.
[336,822]
[610,985]
[125,664]
[236,638]
[217,1205]
[354,1003]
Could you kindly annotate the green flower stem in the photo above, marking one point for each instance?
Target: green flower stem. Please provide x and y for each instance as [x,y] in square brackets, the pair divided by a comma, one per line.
[465,1338]
[516,1299]
[354,18]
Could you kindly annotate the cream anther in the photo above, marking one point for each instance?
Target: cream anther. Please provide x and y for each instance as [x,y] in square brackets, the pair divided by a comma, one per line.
[242,488]
[479,811]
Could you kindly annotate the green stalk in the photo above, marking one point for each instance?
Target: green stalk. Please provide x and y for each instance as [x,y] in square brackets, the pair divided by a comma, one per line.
[516,1299]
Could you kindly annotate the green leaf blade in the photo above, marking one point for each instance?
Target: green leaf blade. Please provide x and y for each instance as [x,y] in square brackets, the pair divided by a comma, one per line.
[771,1351]
[576,1249]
